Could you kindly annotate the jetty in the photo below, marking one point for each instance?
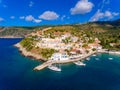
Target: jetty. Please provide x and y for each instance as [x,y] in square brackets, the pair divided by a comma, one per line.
[42,66]
[50,62]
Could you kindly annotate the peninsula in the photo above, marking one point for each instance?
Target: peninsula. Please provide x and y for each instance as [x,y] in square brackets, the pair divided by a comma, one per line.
[58,45]
[69,43]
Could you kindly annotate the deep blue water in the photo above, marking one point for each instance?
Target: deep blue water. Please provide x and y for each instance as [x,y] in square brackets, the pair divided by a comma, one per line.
[16,72]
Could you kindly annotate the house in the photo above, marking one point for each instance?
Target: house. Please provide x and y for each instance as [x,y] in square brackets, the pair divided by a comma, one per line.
[66,35]
[95,45]
[112,44]
[88,48]
[57,34]
[60,56]
[82,50]
[74,39]
[75,52]
[97,40]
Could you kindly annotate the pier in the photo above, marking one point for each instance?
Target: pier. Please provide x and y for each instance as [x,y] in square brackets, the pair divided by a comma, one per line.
[42,66]
[49,62]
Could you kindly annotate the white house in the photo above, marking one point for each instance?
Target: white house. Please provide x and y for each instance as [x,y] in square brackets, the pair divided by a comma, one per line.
[66,35]
[95,45]
[74,39]
[60,56]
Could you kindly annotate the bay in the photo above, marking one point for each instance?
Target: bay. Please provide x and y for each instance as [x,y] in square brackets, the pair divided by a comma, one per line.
[16,72]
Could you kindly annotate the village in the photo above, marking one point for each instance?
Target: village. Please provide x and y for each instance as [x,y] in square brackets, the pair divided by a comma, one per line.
[66,45]
[68,48]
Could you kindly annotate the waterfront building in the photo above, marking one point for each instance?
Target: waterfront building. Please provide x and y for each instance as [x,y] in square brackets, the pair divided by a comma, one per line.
[60,56]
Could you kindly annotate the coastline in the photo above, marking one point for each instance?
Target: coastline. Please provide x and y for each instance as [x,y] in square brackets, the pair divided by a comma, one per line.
[109,52]
[28,54]
[49,62]
[10,37]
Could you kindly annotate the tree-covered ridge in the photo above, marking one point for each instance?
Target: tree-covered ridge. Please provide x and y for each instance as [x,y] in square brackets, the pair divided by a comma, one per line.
[18,31]
[108,32]
[29,44]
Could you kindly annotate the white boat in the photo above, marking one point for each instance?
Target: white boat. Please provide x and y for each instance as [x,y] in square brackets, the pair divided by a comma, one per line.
[80,63]
[110,58]
[94,55]
[54,68]
[96,58]
[88,59]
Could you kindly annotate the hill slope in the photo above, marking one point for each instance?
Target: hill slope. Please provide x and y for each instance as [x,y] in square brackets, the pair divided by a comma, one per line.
[108,32]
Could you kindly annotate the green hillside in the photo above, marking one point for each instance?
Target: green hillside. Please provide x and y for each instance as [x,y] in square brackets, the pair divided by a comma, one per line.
[18,31]
[108,32]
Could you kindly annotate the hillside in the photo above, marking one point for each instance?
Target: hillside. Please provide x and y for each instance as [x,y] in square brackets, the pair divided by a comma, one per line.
[18,32]
[108,32]
[96,27]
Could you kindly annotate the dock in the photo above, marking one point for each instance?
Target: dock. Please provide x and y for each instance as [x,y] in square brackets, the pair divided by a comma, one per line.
[49,62]
[44,65]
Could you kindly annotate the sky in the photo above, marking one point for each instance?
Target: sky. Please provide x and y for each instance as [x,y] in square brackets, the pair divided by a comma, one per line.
[48,12]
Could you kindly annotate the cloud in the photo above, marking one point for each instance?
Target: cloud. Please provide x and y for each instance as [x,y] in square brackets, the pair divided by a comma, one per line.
[37,20]
[31,3]
[0,1]
[104,3]
[22,17]
[116,13]
[3,5]
[30,18]
[12,17]
[1,19]
[49,15]
[82,7]
[62,18]
[101,15]
[68,17]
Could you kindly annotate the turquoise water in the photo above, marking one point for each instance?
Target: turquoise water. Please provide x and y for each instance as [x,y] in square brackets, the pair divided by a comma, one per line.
[16,72]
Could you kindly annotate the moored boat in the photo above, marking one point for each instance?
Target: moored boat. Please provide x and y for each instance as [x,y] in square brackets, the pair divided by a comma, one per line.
[88,58]
[94,55]
[110,58]
[80,63]
[54,68]
[96,58]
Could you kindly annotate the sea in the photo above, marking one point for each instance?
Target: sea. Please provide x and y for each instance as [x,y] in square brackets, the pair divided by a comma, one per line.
[16,72]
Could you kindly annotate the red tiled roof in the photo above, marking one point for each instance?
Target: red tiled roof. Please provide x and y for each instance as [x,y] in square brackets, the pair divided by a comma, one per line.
[57,33]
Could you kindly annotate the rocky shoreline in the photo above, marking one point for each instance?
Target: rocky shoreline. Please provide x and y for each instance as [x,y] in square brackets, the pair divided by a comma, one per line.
[28,54]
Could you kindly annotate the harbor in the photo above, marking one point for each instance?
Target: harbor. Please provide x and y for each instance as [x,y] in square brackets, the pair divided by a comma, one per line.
[50,62]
